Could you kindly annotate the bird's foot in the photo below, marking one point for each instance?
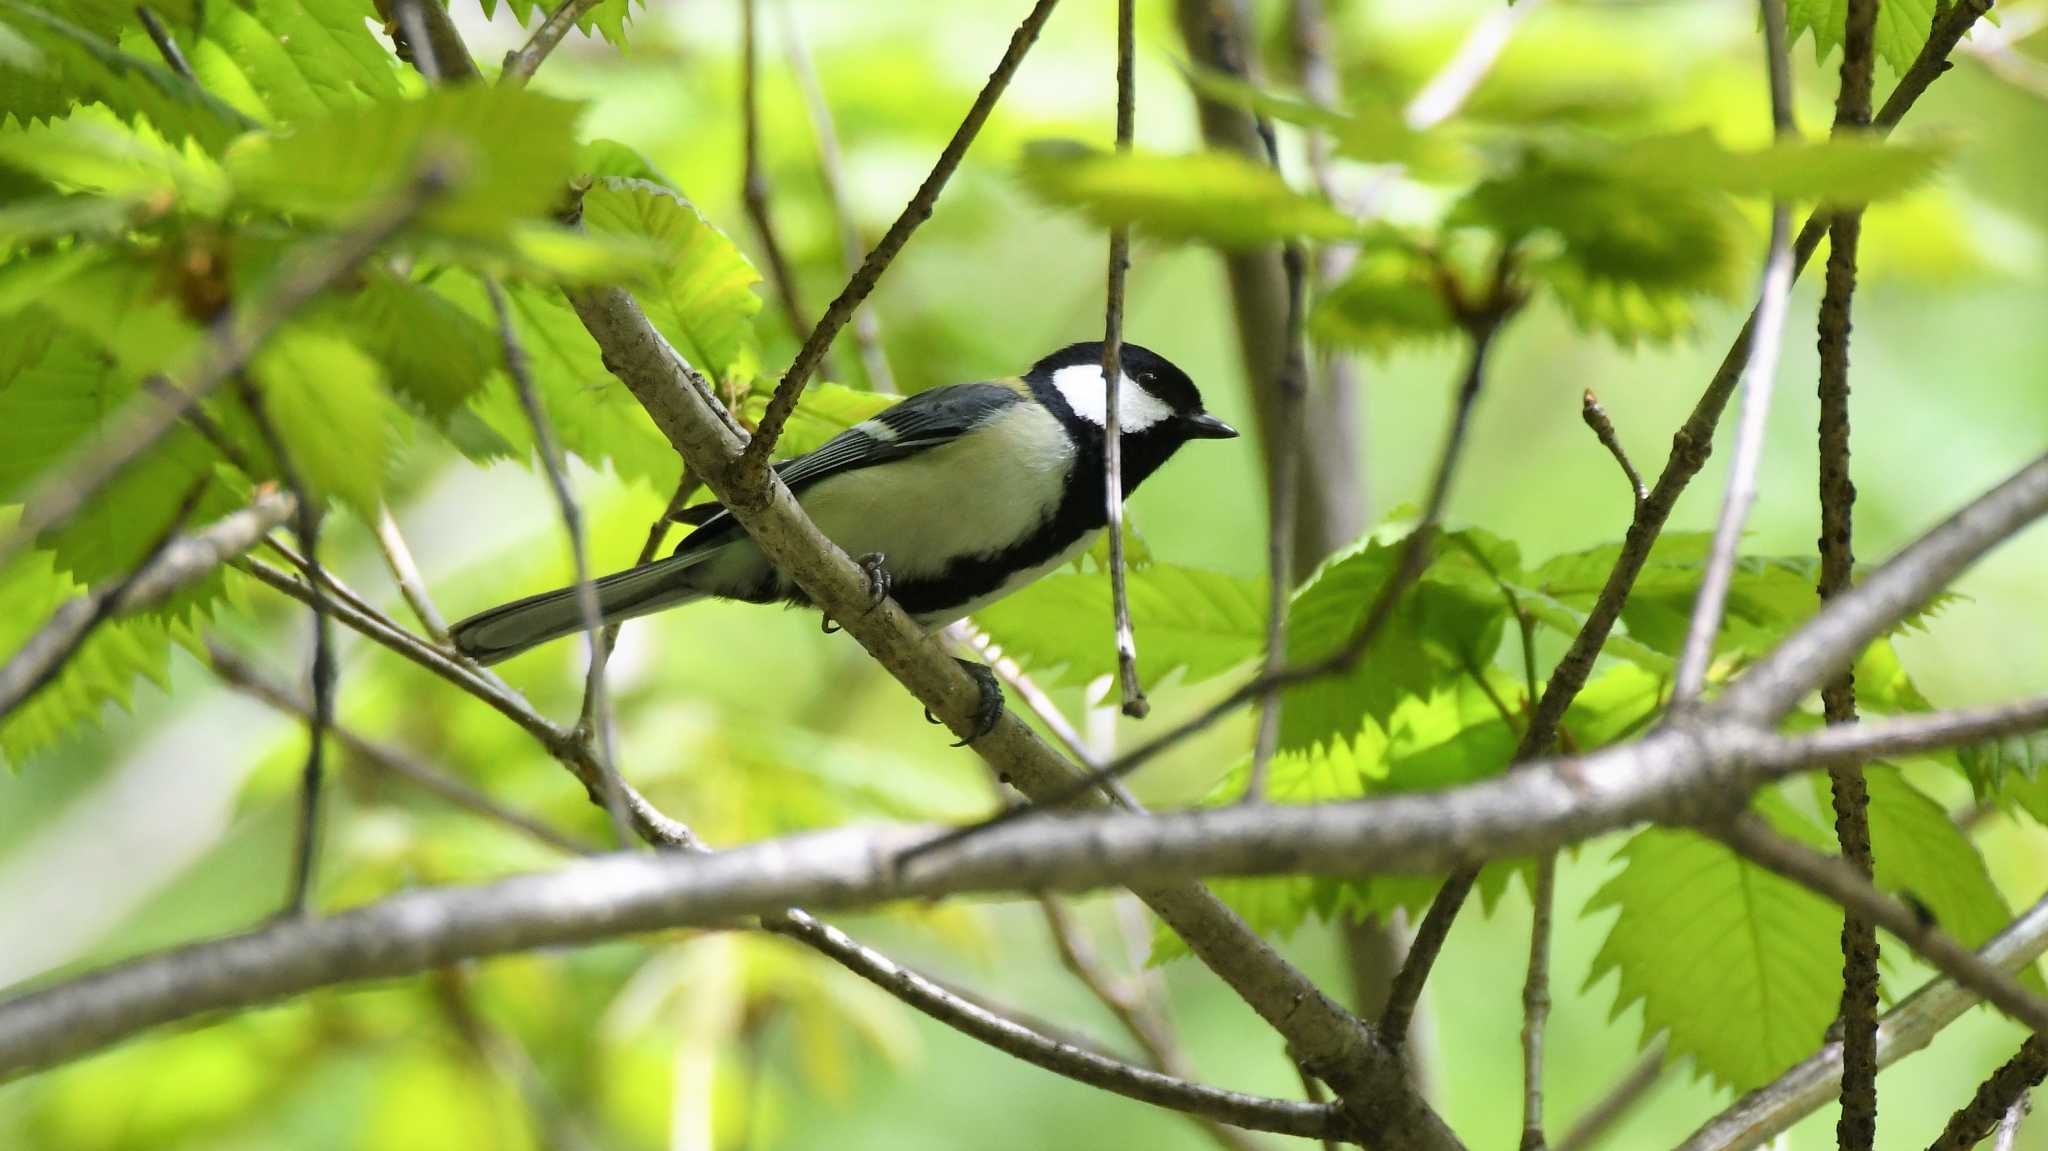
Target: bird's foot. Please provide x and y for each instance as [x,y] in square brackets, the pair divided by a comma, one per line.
[874,565]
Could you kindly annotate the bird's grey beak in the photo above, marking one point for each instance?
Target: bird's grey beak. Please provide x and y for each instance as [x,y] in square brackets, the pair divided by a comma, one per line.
[1208,427]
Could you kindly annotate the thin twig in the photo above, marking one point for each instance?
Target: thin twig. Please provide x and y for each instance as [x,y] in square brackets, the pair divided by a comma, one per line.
[1761,1116]
[1856,1129]
[43,658]
[426,37]
[306,516]
[232,340]
[1759,376]
[166,44]
[2001,1096]
[246,678]
[406,574]
[754,181]
[1132,691]
[549,449]
[867,329]
[1615,1105]
[754,464]
[1825,875]
[1455,82]
[520,65]
[1689,451]
[1603,427]
[1536,1002]
[418,39]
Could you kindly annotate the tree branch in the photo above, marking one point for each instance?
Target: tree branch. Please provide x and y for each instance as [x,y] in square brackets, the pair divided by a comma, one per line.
[1133,692]
[1762,1115]
[599,732]
[753,474]
[1536,1001]
[406,574]
[1369,1082]
[1996,1097]
[232,340]
[1603,428]
[520,65]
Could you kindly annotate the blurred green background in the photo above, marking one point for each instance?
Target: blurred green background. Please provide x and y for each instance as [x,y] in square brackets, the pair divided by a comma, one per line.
[173,819]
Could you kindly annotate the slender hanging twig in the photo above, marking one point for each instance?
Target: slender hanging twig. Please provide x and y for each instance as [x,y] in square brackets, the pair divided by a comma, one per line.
[406,574]
[549,449]
[867,329]
[1133,692]
[1759,376]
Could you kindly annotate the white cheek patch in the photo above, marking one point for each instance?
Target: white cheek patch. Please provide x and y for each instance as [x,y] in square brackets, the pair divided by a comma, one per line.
[1082,387]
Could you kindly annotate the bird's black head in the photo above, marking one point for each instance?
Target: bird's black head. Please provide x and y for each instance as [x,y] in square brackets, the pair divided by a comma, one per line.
[1158,408]
[1164,403]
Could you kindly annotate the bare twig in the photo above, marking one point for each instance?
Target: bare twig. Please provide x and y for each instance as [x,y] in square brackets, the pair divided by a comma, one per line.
[2003,1094]
[754,464]
[1455,82]
[1603,427]
[406,574]
[1759,376]
[426,37]
[166,44]
[1132,692]
[42,658]
[233,339]
[245,677]
[1619,1100]
[1856,1129]
[1830,877]
[551,462]
[754,181]
[1536,1002]
[416,38]
[1762,1115]
[520,65]
[867,330]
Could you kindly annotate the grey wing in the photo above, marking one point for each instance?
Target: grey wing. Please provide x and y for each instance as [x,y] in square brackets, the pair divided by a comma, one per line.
[924,421]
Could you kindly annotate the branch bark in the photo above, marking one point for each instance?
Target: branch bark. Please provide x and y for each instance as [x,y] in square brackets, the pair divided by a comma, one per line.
[1997,1096]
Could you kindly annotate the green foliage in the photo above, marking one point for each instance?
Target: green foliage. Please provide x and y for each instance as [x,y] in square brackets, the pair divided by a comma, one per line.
[1902,26]
[705,303]
[509,152]
[327,401]
[91,151]
[48,63]
[1200,623]
[606,18]
[1991,764]
[304,57]
[1215,197]
[823,411]
[1370,130]
[1918,850]
[1841,169]
[1390,298]
[433,352]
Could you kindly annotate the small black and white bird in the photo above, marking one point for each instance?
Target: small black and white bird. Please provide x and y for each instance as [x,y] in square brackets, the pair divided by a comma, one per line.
[953,498]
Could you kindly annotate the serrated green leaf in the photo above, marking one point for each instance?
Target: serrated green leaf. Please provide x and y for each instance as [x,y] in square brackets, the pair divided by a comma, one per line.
[92,151]
[606,18]
[1740,967]
[327,400]
[1218,198]
[595,416]
[1202,623]
[1902,27]
[511,150]
[1442,625]
[31,221]
[1992,764]
[1390,298]
[304,57]
[44,55]
[431,350]
[823,411]
[705,302]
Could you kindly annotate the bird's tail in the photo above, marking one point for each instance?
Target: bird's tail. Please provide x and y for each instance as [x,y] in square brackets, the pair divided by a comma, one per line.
[508,629]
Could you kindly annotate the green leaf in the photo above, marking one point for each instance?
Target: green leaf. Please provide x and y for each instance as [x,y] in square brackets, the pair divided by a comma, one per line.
[606,18]
[1990,764]
[823,411]
[511,150]
[705,302]
[1370,130]
[1902,27]
[305,57]
[1444,624]
[1391,298]
[31,221]
[42,56]
[431,350]
[328,402]
[1219,198]
[90,150]
[1625,258]
[593,414]
[1203,623]
[1742,968]
[1851,168]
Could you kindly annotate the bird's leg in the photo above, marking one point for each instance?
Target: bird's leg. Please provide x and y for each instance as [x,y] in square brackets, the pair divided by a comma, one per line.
[874,566]
[989,711]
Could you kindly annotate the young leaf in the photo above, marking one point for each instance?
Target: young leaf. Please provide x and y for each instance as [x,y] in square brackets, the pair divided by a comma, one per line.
[511,150]
[606,18]
[1902,27]
[305,57]
[55,62]
[328,402]
[1204,623]
[1218,198]
[1742,968]
[431,350]
[90,150]
[1391,298]
[705,304]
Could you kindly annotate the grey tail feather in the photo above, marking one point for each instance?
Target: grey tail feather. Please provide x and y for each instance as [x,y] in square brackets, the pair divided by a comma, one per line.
[508,629]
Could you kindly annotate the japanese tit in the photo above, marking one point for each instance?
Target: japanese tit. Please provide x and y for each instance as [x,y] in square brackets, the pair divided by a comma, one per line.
[961,494]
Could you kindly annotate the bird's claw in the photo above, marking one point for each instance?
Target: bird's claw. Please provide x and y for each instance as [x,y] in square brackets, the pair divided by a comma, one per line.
[989,711]
[874,565]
